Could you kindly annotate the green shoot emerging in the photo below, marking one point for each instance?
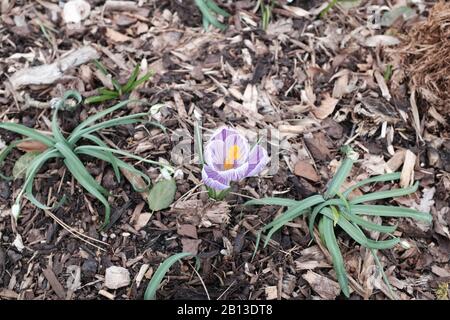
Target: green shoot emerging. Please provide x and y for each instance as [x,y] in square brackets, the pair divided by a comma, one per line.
[68,148]
[335,209]
[119,90]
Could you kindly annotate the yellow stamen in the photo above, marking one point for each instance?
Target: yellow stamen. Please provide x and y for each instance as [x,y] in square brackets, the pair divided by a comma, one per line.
[233,155]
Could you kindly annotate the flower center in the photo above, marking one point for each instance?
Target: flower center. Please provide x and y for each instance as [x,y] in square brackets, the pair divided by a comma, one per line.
[232,156]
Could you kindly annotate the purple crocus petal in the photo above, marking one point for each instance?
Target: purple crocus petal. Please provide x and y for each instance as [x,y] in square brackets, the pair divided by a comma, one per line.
[235,174]
[212,179]
[257,161]
[222,133]
[214,154]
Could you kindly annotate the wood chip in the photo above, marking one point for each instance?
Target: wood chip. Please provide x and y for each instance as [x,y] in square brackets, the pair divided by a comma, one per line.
[54,283]
[117,277]
[107,294]
[407,175]
[325,288]
[49,73]
[271,292]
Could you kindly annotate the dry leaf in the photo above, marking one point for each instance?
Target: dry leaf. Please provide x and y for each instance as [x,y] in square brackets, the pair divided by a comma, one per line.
[187,230]
[32,146]
[117,36]
[326,107]
[190,245]
[304,169]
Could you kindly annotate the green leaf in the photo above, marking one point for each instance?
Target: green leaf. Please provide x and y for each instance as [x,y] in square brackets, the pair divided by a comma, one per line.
[162,194]
[385,194]
[381,178]
[317,209]
[205,10]
[327,231]
[273,202]
[391,211]
[150,292]
[132,79]
[341,173]
[101,98]
[22,164]
[31,133]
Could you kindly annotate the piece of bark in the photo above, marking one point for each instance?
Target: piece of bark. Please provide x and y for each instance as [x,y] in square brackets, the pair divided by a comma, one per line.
[49,73]
[326,288]
[54,283]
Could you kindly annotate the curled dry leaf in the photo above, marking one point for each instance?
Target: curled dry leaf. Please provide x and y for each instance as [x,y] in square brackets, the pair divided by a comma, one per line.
[31,146]
[326,107]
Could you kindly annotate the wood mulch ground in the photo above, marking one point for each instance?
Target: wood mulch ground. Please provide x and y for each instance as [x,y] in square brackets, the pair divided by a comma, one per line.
[315,82]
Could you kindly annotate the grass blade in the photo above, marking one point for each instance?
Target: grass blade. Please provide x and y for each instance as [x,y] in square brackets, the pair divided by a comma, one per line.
[150,292]
[368,225]
[385,194]
[132,79]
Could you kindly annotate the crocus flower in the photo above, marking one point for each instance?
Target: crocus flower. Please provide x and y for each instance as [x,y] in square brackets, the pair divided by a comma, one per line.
[228,157]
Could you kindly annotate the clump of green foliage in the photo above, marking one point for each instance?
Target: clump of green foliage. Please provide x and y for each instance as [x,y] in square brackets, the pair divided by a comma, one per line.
[120,91]
[209,8]
[266,12]
[69,149]
[336,209]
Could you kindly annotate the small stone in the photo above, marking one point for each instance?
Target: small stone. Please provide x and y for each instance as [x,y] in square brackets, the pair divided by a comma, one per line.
[117,277]
[89,268]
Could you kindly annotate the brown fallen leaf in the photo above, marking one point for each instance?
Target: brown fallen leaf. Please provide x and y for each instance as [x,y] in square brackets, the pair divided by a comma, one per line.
[187,230]
[31,146]
[325,288]
[117,36]
[326,107]
[190,245]
[304,169]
